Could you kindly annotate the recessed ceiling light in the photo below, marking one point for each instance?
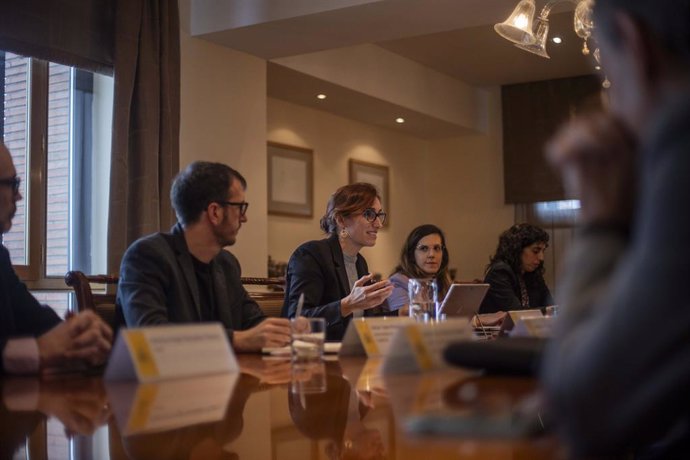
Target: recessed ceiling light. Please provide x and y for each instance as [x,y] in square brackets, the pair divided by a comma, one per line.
[400,120]
[321,96]
[557,40]
[597,67]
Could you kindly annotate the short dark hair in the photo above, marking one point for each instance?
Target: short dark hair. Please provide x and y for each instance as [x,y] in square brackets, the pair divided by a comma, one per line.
[408,264]
[200,184]
[347,200]
[513,241]
[668,21]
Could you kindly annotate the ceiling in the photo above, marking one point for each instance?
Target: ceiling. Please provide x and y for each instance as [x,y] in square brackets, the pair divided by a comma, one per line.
[453,37]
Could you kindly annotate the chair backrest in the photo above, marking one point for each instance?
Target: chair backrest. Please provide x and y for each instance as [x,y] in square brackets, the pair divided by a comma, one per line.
[271,301]
[103,303]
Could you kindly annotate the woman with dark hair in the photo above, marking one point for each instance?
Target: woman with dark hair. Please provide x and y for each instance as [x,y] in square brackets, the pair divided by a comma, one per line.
[424,255]
[332,275]
[516,272]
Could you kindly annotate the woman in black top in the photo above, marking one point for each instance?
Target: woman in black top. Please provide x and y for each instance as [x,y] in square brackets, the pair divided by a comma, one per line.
[331,273]
[516,272]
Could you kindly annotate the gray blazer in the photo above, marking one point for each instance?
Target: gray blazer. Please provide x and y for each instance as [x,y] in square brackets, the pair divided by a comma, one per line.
[158,285]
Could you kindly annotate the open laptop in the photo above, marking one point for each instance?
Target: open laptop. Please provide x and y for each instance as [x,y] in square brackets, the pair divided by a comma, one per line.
[463,300]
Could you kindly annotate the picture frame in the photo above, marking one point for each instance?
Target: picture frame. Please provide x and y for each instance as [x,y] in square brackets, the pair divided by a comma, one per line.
[290,180]
[376,175]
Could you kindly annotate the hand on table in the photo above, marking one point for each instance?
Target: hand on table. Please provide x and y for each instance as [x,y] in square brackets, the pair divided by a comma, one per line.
[271,332]
[80,339]
[489,319]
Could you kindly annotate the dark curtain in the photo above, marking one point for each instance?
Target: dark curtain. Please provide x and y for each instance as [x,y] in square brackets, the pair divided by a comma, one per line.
[532,113]
[72,32]
[146,121]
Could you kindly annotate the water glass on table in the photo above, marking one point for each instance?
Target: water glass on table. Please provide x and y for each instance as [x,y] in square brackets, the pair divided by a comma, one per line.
[423,296]
[307,336]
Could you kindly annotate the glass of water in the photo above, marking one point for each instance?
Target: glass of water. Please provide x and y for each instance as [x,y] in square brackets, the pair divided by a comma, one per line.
[423,296]
[307,338]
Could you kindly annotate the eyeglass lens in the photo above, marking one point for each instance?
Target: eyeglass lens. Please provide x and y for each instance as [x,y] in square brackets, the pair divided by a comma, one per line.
[370,215]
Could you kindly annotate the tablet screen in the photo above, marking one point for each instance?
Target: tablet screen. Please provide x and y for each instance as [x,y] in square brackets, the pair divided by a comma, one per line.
[463,300]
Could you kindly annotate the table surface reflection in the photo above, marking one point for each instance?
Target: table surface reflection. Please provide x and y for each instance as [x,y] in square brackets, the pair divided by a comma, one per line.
[272,410]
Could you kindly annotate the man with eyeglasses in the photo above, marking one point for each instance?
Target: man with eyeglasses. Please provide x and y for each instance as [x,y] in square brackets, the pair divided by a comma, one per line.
[32,337]
[185,276]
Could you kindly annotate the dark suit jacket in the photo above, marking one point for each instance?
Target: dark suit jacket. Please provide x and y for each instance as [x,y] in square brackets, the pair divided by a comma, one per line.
[20,312]
[158,285]
[504,290]
[317,269]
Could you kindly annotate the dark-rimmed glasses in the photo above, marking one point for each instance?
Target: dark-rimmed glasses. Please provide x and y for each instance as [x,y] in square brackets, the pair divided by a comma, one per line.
[13,182]
[370,215]
[242,205]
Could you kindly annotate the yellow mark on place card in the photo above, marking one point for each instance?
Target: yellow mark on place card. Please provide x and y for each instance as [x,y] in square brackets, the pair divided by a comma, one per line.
[142,355]
[141,409]
[419,348]
[367,338]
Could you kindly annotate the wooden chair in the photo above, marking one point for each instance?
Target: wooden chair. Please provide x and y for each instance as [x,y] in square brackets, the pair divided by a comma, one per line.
[271,302]
[103,303]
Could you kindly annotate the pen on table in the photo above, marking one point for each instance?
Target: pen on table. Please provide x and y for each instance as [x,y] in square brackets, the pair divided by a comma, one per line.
[300,304]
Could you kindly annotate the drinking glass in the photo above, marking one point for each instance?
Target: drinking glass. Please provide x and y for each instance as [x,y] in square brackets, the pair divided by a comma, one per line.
[307,338]
[423,296]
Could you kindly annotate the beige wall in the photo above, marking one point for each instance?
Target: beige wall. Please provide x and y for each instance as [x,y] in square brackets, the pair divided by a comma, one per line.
[467,190]
[335,140]
[223,105]
[456,183]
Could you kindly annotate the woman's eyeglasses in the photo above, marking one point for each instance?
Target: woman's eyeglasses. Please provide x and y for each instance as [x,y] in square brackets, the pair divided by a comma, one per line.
[370,215]
[425,249]
[13,182]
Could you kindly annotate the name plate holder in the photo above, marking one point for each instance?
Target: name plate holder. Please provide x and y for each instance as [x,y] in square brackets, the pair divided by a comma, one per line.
[538,327]
[152,354]
[371,336]
[514,316]
[419,347]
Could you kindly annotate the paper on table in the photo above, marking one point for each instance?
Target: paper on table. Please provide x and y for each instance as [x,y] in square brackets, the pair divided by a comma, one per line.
[328,347]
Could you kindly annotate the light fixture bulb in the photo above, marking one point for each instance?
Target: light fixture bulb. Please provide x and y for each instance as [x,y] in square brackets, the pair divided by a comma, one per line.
[557,40]
[400,120]
[321,96]
[521,21]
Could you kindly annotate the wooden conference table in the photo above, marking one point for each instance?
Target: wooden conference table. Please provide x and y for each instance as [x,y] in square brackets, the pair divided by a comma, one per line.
[273,410]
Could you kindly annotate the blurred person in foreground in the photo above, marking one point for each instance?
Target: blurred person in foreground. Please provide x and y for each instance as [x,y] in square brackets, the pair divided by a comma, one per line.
[617,375]
[186,276]
[32,336]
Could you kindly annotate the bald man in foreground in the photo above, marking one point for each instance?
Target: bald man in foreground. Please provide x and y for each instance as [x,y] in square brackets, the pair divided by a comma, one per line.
[32,337]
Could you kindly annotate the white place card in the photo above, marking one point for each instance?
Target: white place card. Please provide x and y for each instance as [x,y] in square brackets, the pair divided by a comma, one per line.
[419,347]
[163,352]
[154,407]
[538,327]
[371,336]
[514,316]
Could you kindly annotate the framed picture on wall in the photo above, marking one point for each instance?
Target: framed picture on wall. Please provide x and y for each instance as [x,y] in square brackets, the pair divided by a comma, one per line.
[290,180]
[376,175]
